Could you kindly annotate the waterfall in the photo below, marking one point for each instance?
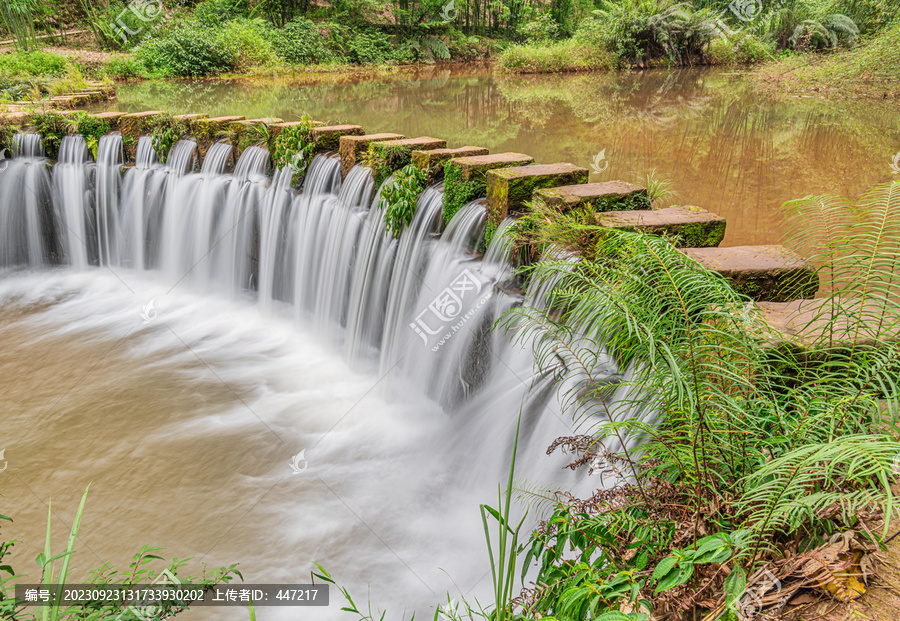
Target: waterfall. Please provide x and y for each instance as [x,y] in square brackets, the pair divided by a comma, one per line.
[418,310]
[27,222]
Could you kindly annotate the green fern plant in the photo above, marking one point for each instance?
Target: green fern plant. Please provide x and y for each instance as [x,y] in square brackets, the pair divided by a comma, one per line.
[827,33]
[743,441]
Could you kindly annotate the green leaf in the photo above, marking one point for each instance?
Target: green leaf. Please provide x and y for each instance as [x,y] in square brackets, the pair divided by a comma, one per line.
[735,585]
[665,566]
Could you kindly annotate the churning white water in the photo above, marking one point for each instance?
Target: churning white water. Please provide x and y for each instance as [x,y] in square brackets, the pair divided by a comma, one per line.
[273,322]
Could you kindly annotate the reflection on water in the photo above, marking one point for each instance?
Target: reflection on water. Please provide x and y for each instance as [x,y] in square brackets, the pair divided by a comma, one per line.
[726,146]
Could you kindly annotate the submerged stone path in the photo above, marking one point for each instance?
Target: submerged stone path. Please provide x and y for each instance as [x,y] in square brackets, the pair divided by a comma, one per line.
[770,275]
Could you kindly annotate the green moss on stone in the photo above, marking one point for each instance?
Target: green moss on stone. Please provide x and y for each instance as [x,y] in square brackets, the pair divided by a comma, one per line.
[701,235]
[632,202]
[384,159]
[457,191]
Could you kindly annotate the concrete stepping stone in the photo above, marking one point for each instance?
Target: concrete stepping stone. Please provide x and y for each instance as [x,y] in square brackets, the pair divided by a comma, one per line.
[764,273]
[692,227]
[509,189]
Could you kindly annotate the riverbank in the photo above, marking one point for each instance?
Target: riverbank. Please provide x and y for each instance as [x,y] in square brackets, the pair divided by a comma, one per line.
[870,70]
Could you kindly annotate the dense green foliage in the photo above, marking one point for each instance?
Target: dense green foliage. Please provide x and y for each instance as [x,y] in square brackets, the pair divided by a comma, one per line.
[209,37]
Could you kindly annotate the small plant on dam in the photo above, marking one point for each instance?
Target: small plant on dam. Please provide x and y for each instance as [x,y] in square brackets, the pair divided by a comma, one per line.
[165,130]
[295,146]
[399,196]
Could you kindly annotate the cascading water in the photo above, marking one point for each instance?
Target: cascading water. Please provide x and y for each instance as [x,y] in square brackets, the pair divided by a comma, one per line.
[28,225]
[417,311]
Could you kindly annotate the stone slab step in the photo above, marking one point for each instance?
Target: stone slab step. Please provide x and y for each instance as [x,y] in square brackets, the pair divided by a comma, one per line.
[351,146]
[190,117]
[692,227]
[422,143]
[473,168]
[432,161]
[764,273]
[606,196]
[509,189]
[825,325]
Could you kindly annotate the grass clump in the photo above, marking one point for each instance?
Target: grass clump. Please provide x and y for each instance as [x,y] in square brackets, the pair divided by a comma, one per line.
[872,68]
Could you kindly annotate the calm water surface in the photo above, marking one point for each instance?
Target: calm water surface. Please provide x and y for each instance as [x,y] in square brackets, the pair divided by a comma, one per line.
[725,145]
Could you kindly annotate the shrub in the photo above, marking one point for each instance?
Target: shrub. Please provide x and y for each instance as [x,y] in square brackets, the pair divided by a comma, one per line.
[559,56]
[188,49]
[251,41]
[299,43]
[541,28]
[826,33]
[216,12]
[637,31]
[740,48]
[53,127]
[373,46]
